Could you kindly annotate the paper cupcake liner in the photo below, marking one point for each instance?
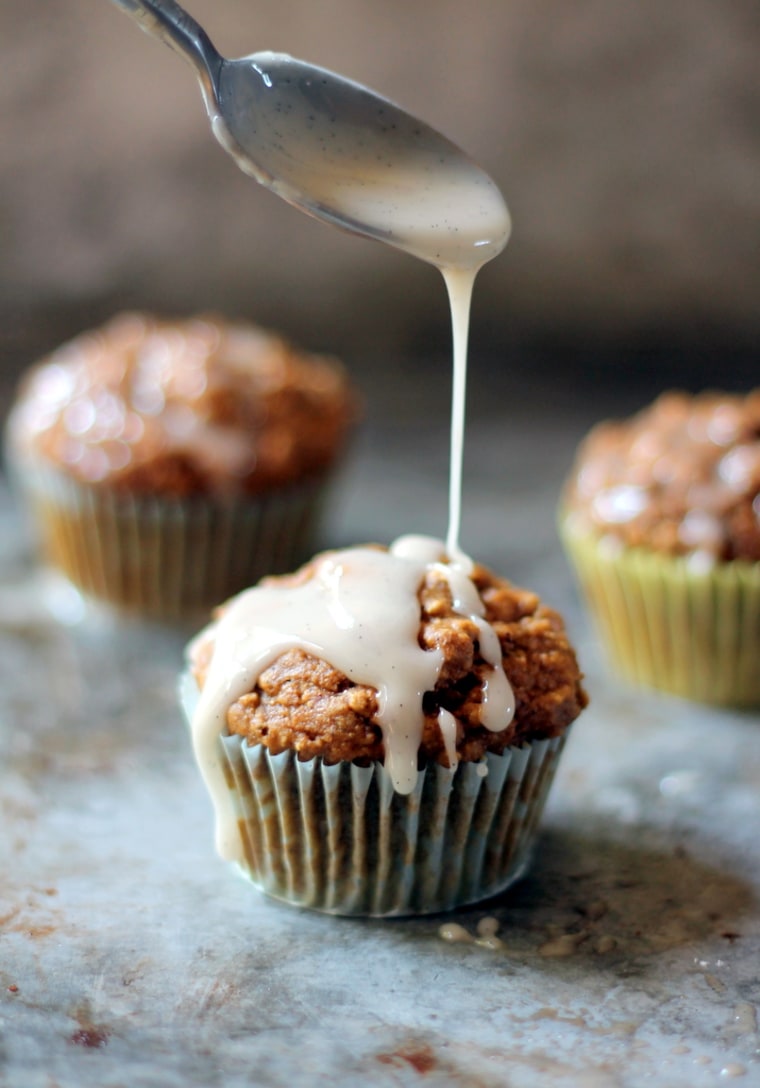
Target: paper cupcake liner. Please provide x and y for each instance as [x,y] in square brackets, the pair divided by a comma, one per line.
[339,839]
[670,626]
[167,559]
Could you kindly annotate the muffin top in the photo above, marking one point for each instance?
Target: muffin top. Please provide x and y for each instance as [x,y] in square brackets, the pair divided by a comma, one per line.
[401,655]
[681,477]
[184,407]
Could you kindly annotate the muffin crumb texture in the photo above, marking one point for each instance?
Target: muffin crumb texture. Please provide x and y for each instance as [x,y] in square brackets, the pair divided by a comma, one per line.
[682,477]
[301,703]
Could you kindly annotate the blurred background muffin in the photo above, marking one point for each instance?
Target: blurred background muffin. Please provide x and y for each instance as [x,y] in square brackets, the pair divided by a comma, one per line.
[170,463]
[661,518]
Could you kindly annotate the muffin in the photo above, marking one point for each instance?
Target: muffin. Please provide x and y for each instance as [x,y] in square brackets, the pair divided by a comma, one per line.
[168,464]
[378,731]
[661,520]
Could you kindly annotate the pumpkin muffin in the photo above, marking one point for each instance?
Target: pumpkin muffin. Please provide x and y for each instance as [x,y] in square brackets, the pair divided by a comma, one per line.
[661,520]
[379,731]
[170,463]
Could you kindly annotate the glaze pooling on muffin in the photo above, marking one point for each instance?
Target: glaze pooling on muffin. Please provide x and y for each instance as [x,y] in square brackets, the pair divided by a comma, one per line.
[360,611]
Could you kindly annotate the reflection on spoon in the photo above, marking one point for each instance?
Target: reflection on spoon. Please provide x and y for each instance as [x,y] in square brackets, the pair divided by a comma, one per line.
[339,151]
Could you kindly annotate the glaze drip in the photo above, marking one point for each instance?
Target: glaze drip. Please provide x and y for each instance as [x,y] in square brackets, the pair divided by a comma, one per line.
[360,611]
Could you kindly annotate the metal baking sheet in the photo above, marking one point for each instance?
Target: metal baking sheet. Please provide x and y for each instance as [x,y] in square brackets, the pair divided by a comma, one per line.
[132,957]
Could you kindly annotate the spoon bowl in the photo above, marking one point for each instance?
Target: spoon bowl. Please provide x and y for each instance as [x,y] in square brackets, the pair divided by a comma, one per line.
[339,151]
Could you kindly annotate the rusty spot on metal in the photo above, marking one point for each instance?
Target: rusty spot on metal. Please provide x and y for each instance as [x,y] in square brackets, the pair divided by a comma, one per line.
[88,1033]
[90,1037]
[38,931]
[15,924]
[30,916]
[9,916]
[421,1058]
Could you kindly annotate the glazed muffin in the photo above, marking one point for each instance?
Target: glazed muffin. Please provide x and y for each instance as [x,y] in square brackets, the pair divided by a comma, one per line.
[378,731]
[661,519]
[168,464]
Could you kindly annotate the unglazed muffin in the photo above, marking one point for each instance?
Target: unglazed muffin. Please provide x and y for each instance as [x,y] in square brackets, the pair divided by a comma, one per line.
[661,520]
[378,731]
[169,464]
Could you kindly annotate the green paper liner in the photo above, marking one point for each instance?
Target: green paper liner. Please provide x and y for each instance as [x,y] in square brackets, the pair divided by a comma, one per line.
[667,625]
[169,559]
[338,838]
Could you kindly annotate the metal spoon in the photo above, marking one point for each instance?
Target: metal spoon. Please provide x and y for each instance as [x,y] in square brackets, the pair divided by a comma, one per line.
[337,150]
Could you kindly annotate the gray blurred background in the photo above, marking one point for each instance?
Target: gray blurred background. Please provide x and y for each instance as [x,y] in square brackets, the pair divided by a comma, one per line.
[626,138]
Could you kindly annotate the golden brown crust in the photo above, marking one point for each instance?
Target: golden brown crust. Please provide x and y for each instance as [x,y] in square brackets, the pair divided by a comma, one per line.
[303,704]
[680,477]
[190,407]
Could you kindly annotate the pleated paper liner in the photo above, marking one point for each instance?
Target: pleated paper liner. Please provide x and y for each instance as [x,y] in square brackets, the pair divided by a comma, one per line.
[339,839]
[167,559]
[669,625]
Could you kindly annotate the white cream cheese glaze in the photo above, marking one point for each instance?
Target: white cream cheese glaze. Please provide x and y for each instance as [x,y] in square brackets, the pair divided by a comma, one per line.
[397,180]
[331,148]
[360,611]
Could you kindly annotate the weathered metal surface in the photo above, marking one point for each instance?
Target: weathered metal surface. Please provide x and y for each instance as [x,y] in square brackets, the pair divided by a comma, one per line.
[131,956]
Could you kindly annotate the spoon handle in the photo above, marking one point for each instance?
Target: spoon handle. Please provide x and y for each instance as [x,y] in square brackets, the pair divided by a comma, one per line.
[171,24]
